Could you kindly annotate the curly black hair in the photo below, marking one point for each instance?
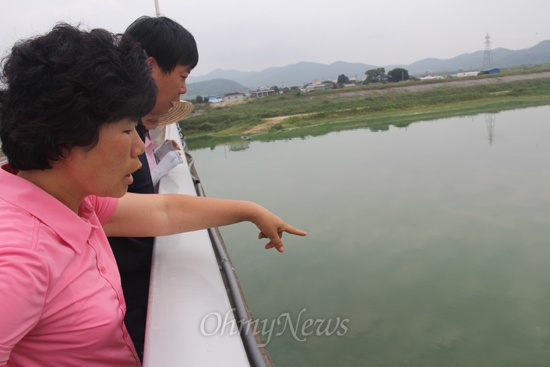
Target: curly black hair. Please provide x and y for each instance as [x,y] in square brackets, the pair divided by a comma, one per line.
[60,88]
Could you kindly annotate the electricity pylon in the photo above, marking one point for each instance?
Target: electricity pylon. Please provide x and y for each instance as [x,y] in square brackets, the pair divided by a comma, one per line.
[488,56]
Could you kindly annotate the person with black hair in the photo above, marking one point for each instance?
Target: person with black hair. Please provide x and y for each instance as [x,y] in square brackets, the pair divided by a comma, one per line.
[69,105]
[172,54]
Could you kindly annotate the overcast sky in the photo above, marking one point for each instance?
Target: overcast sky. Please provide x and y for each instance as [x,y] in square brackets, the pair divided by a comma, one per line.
[252,35]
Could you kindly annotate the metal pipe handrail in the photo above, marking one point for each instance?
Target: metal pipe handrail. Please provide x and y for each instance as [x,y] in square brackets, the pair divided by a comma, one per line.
[248,336]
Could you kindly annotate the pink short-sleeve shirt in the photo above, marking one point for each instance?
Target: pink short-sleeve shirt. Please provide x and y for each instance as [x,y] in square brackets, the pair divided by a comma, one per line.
[61,302]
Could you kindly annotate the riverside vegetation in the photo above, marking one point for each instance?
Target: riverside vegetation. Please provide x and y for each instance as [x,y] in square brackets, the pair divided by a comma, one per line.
[375,106]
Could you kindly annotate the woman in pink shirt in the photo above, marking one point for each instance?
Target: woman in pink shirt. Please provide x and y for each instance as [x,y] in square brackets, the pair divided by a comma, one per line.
[68,111]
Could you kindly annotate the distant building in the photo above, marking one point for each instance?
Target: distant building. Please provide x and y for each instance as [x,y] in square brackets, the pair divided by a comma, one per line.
[489,71]
[261,93]
[317,85]
[475,73]
[233,97]
[215,99]
[464,74]
[432,77]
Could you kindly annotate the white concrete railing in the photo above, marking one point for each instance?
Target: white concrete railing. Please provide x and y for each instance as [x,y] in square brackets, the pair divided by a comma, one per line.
[186,293]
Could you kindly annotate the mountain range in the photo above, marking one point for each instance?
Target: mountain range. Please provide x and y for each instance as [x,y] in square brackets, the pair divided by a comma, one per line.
[219,82]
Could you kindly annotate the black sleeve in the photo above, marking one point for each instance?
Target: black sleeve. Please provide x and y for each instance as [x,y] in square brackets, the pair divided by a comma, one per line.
[143,183]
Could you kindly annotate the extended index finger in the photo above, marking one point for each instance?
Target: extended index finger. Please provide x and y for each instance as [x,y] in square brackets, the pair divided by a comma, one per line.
[294,231]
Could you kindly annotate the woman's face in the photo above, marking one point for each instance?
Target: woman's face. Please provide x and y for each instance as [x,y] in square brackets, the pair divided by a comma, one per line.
[105,170]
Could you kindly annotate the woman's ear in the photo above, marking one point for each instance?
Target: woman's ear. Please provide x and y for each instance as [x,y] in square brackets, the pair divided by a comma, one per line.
[151,62]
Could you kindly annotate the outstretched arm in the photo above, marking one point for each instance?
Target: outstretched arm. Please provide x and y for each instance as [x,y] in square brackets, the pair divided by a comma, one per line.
[164,214]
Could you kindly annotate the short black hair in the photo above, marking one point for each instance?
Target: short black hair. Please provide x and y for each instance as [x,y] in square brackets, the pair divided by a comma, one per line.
[165,40]
[61,87]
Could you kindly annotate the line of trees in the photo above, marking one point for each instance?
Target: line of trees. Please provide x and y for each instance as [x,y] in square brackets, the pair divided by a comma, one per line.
[379,75]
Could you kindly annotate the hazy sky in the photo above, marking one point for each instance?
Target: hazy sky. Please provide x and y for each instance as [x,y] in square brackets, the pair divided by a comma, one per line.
[252,35]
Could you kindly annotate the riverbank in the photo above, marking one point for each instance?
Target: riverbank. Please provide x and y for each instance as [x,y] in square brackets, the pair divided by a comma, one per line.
[375,107]
[269,122]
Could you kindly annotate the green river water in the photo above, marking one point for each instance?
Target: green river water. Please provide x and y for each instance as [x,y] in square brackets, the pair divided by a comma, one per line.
[428,245]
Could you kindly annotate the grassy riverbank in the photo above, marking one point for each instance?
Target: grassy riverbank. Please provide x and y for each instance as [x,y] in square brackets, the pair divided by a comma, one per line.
[376,108]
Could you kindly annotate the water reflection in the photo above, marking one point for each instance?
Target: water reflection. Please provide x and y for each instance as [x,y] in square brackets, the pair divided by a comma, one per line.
[490,119]
[242,145]
[431,241]
[327,127]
